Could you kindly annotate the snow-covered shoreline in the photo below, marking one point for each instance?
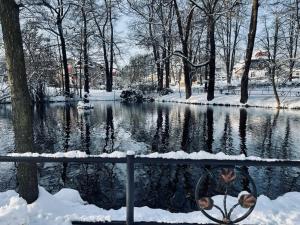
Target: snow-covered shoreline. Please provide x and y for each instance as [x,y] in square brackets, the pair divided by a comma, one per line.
[95,95]
[255,100]
[259,101]
[67,205]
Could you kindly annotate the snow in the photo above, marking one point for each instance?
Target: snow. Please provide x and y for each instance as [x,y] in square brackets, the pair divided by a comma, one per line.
[130,153]
[204,155]
[70,154]
[201,155]
[94,95]
[84,106]
[264,101]
[67,205]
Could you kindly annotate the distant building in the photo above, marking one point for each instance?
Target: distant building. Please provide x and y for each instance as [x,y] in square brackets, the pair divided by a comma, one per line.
[296,71]
[259,67]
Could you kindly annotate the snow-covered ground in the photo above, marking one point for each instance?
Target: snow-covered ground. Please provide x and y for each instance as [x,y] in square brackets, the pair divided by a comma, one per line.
[95,95]
[255,100]
[259,97]
[67,205]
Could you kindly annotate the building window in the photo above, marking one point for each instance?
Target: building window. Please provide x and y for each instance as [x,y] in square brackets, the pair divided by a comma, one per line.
[252,74]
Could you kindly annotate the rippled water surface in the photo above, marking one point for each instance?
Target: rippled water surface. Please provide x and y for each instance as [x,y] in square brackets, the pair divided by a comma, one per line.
[150,128]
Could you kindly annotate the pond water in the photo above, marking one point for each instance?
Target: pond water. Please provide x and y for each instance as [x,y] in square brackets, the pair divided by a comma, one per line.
[155,127]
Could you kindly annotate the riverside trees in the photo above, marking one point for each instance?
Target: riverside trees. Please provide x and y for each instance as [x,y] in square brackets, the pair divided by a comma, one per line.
[205,35]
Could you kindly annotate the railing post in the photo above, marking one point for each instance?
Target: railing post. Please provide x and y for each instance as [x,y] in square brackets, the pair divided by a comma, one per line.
[130,189]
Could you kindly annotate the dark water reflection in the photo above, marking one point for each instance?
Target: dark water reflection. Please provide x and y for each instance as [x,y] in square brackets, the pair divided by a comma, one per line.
[161,128]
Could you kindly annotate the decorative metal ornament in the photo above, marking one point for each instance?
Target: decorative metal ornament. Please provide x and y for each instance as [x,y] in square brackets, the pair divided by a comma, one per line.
[226,181]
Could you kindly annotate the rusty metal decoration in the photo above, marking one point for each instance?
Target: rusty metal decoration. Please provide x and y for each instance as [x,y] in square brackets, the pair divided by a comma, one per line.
[226,181]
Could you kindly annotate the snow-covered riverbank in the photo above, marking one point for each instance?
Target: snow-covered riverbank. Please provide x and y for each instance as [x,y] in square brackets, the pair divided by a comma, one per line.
[257,100]
[95,95]
[67,205]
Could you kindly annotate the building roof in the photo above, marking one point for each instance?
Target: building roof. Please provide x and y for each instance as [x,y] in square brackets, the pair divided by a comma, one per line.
[256,64]
[259,64]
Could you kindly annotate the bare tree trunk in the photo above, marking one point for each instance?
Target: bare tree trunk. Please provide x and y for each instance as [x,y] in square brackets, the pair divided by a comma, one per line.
[212,58]
[274,61]
[169,48]
[102,34]
[293,39]
[167,69]
[64,56]
[80,68]
[85,54]
[184,37]
[21,102]
[61,66]
[111,67]
[155,48]
[206,71]
[250,46]
[232,60]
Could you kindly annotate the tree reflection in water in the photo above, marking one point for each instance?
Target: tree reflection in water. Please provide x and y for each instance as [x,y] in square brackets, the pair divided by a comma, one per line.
[161,128]
[109,133]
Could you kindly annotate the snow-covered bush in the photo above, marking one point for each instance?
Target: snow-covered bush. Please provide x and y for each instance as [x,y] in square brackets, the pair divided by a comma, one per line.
[166,91]
[132,96]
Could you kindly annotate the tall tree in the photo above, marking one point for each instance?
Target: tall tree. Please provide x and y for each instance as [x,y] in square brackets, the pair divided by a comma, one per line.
[21,102]
[58,14]
[212,10]
[184,30]
[249,51]
[228,32]
[107,40]
[85,52]
[271,46]
[293,28]
[149,13]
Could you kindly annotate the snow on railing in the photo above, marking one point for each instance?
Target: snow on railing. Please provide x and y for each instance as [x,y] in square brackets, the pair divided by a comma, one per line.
[200,158]
[169,157]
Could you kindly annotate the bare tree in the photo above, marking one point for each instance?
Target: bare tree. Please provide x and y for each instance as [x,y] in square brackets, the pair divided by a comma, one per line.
[229,32]
[107,40]
[272,50]
[184,29]
[57,13]
[293,28]
[21,102]
[212,10]
[85,51]
[249,51]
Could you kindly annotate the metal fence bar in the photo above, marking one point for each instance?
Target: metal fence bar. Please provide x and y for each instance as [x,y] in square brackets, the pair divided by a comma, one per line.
[131,160]
[148,160]
[130,189]
[218,162]
[43,159]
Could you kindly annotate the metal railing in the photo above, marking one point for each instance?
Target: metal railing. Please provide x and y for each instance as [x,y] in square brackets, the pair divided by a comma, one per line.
[130,160]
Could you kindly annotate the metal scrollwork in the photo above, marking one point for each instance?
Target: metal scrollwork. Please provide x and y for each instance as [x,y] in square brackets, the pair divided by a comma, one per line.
[226,181]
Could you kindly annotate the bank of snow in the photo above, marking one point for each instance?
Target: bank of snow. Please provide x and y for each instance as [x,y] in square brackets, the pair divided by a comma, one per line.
[67,205]
[95,95]
[232,100]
